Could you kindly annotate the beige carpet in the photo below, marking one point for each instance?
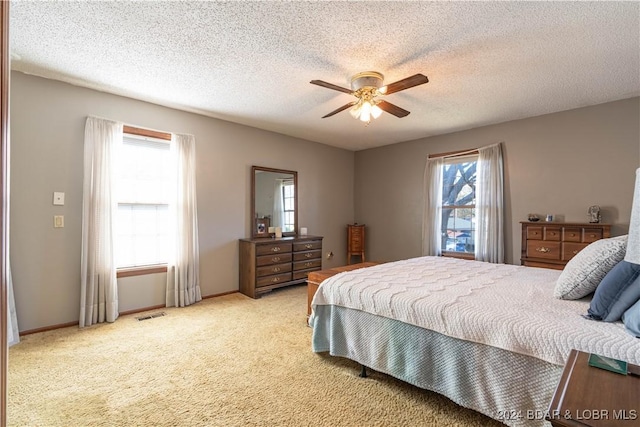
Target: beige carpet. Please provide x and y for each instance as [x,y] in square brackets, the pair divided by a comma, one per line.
[227,361]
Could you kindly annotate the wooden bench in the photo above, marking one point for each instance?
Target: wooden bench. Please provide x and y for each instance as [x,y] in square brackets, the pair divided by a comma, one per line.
[316,277]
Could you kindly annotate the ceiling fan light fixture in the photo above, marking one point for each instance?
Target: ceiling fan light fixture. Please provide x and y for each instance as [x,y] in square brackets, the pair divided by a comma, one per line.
[355,111]
[376,111]
[367,87]
[365,112]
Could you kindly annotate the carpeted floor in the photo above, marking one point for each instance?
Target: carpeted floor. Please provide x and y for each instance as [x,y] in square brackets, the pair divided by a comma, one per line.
[227,361]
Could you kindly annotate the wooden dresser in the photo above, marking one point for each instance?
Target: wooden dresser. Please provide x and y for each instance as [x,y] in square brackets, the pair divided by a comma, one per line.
[553,244]
[355,241]
[267,263]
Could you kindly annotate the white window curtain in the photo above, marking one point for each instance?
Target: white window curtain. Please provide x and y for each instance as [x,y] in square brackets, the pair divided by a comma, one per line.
[490,205]
[183,269]
[98,285]
[13,332]
[432,215]
[278,205]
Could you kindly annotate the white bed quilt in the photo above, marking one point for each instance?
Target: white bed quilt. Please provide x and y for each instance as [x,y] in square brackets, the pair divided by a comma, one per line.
[504,306]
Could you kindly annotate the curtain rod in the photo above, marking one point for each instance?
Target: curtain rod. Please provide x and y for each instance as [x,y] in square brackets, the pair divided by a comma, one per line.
[452,154]
[134,130]
[461,152]
[137,130]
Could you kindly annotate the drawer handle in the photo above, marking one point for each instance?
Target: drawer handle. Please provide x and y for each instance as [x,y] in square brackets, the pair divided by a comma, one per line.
[275,249]
[308,246]
[308,255]
[275,279]
[275,259]
[543,250]
[592,235]
[276,269]
[308,264]
[573,234]
[575,252]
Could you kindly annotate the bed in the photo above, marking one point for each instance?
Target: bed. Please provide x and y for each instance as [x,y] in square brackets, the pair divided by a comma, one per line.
[490,337]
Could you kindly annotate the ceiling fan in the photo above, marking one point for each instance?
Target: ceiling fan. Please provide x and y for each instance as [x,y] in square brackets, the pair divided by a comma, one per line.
[367,88]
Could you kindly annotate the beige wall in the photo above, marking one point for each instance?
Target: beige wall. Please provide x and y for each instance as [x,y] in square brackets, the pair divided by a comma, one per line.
[47,129]
[558,164]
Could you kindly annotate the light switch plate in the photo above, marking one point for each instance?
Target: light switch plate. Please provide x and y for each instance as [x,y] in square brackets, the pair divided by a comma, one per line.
[58,198]
[58,221]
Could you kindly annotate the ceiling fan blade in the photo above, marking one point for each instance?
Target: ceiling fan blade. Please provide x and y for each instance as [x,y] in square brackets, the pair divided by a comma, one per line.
[344,107]
[392,109]
[331,86]
[415,80]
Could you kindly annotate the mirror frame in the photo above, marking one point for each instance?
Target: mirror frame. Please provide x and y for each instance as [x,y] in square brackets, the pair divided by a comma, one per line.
[252,220]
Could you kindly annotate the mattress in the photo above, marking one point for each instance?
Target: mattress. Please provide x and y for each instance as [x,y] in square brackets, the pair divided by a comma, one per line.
[503,306]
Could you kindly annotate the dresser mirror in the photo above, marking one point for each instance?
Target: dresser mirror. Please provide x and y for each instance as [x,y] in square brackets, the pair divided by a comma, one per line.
[274,201]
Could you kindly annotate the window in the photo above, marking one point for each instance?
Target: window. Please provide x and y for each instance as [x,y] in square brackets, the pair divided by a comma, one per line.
[459,204]
[463,210]
[144,179]
[288,197]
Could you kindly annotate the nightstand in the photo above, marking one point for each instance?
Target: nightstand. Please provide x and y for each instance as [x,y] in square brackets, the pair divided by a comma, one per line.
[592,397]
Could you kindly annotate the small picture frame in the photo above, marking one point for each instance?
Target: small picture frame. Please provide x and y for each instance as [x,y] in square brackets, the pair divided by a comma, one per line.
[262,227]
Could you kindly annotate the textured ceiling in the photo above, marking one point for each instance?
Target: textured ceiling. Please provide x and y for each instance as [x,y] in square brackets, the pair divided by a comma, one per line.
[251,62]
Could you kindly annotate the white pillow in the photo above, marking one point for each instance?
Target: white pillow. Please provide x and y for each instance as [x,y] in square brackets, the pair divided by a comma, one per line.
[583,272]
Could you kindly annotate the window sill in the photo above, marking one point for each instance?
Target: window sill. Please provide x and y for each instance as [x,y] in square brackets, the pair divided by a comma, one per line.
[460,255]
[140,271]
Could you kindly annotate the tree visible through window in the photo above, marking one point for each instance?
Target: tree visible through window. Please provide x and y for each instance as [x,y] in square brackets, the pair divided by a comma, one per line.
[458,205]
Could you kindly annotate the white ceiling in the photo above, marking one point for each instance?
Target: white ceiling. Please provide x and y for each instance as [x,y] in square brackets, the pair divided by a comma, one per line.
[251,62]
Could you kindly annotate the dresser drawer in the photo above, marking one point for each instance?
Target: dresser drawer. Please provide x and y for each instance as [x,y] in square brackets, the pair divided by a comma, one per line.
[303,274]
[356,231]
[553,245]
[543,249]
[572,234]
[590,235]
[552,233]
[273,280]
[355,243]
[534,233]
[305,256]
[570,249]
[274,248]
[303,265]
[273,269]
[276,258]
[307,246]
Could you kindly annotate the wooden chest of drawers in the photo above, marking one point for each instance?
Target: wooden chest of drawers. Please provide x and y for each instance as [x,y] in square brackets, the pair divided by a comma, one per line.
[355,241]
[267,264]
[553,244]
